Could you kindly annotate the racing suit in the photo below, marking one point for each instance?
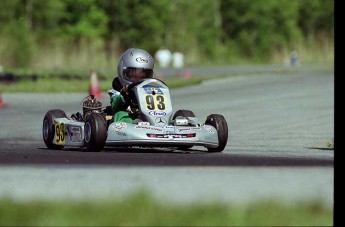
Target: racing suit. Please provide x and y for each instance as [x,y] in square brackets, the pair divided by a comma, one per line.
[118,103]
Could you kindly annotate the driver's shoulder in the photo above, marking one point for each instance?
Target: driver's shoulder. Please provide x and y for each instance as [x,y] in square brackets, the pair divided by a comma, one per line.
[113,92]
[116,84]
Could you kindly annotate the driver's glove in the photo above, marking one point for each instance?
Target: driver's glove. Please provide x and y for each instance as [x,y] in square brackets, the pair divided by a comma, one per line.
[108,110]
[124,90]
[126,94]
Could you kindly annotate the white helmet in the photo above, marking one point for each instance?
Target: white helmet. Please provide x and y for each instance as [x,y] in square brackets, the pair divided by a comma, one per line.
[134,64]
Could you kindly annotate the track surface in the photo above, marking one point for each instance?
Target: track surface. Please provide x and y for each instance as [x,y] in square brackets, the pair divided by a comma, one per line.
[274,121]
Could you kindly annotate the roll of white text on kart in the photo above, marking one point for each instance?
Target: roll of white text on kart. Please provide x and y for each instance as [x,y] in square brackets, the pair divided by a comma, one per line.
[159,128]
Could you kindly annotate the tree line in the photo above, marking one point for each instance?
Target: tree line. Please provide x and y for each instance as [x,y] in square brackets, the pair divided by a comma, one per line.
[203,29]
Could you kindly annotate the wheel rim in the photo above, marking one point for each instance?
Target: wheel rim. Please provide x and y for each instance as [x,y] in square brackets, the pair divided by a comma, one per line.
[87,132]
[45,129]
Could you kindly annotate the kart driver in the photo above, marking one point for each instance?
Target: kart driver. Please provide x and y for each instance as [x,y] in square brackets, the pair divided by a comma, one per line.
[134,65]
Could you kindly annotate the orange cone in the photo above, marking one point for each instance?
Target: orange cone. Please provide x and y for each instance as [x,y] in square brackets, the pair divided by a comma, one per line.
[2,104]
[94,88]
[187,74]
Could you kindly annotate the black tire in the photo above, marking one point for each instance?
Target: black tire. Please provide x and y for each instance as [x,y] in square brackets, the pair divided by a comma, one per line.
[183,113]
[95,131]
[219,122]
[48,129]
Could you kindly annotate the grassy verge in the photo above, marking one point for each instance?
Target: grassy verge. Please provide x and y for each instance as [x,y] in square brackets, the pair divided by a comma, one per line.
[140,209]
[51,85]
[78,81]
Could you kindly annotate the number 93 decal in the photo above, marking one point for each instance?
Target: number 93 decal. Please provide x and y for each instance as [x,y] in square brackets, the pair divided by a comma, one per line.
[156,102]
[60,133]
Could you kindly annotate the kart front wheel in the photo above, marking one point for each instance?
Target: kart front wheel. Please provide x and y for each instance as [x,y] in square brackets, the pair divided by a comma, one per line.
[95,132]
[183,113]
[48,130]
[219,122]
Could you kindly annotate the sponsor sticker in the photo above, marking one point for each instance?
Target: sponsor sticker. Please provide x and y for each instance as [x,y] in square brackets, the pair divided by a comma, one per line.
[188,128]
[168,130]
[119,126]
[143,123]
[152,89]
[160,121]
[209,128]
[121,133]
[74,133]
[157,113]
[142,60]
[148,127]
[169,136]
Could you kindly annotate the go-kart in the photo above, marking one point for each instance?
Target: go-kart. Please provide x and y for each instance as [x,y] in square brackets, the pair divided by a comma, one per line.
[155,126]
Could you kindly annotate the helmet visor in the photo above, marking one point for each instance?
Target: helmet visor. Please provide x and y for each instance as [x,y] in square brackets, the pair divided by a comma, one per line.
[136,74]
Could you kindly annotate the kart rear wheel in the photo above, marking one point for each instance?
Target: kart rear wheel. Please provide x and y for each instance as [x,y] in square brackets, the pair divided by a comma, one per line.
[219,122]
[48,130]
[95,130]
[183,113]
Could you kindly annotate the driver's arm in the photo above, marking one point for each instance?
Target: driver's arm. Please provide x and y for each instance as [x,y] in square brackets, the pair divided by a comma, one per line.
[117,103]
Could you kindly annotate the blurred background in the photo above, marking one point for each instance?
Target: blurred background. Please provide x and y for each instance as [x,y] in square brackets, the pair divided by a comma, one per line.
[77,34]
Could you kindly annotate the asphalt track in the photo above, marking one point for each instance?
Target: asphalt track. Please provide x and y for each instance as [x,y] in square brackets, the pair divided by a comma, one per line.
[283,121]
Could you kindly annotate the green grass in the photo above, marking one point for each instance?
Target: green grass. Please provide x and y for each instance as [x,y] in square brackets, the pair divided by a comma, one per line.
[140,209]
[51,85]
[49,82]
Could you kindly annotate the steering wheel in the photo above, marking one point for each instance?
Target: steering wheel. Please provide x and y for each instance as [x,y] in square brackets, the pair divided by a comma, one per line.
[132,85]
